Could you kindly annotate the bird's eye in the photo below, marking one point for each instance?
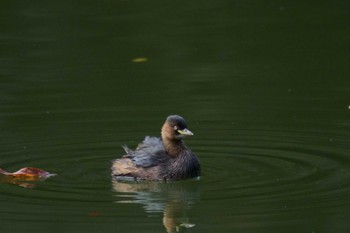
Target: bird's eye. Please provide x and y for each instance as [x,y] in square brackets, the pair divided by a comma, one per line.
[175,127]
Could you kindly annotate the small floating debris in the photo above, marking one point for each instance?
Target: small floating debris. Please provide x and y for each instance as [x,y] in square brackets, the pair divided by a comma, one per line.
[28,174]
[184,225]
[95,213]
[187,225]
[139,59]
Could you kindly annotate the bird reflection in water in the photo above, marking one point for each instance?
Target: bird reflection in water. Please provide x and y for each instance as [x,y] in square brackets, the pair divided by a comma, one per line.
[172,199]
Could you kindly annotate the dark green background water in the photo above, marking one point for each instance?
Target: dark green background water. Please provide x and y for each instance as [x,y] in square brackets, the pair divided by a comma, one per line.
[264,85]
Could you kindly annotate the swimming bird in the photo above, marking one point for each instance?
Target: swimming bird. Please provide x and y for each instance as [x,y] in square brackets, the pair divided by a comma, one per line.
[165,158]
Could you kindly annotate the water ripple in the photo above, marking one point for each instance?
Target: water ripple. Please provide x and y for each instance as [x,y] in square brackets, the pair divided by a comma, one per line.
[259,172]
[280,168]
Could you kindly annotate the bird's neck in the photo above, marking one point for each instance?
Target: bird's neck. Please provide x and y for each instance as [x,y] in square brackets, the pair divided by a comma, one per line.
[174,147]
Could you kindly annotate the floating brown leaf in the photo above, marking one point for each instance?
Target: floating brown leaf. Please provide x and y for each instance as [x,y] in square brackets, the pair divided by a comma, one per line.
[28,174]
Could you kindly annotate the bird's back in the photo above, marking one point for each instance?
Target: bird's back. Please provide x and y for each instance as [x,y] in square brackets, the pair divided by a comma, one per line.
[144,162]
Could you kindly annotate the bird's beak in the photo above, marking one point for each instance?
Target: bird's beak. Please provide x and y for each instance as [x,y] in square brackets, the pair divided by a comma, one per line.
[185,132]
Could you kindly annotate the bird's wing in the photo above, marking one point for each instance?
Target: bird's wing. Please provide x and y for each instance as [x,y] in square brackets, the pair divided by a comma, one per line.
[148,153]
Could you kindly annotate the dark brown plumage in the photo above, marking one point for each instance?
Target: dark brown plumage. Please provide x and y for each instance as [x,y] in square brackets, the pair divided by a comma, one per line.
[167,158]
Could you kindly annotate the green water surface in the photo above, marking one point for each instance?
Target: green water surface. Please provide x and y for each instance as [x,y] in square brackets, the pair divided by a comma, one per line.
[264,86]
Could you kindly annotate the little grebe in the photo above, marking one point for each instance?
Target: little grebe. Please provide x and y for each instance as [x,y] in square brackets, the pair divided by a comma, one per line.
[160,159]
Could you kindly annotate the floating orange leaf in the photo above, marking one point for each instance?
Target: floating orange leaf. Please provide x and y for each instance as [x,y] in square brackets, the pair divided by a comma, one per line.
[28,174]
